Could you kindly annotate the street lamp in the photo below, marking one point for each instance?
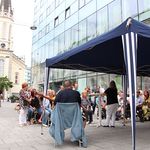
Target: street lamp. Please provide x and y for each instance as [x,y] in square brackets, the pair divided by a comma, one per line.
[33,27]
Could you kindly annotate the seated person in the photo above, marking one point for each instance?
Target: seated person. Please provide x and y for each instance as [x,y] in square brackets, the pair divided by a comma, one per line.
[139,101]
[48,106]
[34,106]
[87,112]
[67,114]
[146,105]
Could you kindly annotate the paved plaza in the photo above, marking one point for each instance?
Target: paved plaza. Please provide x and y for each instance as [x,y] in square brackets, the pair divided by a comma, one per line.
[14,137]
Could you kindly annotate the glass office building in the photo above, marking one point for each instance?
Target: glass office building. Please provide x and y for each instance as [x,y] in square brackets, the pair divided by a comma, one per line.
[66,24]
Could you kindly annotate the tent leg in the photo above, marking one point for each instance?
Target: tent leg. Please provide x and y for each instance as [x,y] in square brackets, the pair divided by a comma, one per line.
[46,81]
[124,98]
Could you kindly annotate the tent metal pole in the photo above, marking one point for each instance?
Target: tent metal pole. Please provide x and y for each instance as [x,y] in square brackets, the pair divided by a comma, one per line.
[46,81]
[124,78]
[129,41]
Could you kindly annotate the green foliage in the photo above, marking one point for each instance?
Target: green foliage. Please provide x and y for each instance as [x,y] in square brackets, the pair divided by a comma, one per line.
[5,84]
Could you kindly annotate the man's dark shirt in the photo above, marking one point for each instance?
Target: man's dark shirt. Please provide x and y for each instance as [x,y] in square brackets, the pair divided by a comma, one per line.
[68,96]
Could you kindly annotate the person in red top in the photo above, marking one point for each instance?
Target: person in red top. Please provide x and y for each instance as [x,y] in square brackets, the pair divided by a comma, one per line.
[24,101]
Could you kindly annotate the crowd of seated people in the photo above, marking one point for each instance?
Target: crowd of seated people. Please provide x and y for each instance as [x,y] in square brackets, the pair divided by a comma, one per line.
[33,109]
[142,106]
[38,107]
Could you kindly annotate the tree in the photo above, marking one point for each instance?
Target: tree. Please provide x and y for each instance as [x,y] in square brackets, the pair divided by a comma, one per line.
[5,84]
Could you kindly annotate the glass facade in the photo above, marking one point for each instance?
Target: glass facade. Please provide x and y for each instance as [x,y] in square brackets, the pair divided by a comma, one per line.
[65,24]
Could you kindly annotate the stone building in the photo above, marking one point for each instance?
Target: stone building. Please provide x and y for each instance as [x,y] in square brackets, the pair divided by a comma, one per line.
[10,65]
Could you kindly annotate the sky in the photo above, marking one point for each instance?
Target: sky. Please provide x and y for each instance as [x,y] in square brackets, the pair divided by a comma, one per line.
[22,34]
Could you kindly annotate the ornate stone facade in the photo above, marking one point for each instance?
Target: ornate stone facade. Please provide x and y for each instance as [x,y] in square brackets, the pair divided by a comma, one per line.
[10,65]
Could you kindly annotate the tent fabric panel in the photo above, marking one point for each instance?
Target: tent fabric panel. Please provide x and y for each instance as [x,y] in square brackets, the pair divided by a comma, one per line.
[134,26]
[140,28]
[99,59]
[143,56]
[117,32]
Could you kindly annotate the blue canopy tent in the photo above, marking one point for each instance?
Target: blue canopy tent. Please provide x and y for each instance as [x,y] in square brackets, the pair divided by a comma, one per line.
[123,50]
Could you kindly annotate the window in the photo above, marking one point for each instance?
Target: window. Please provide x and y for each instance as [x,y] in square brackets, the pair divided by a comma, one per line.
[40,34]
[81,3]
[56,21]
[102,21]
[61,41]
[50,47]
[16,78]
[41,18]
[114,13]
[82,32]
[102,3]
[91,27]
[1,67]
[48,11]
[56,3]
[35,9]
[67,39]
[74,36]
[47,29]
[35,22]
[127,8]
[103,80]
[67,12]
[87,1]
[91,80]
[143,5]
[41,3]
[56,43]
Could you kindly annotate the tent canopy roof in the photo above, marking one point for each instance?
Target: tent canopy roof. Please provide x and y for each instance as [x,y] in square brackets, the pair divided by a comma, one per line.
[105,53]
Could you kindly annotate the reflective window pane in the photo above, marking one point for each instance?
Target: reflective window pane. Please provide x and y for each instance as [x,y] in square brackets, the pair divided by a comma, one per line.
[67,12]
[56,42]
[143,5]
[74,7]
[114,13]
[91,27]
[91,82]
[146,83]
[74,36]
[103,80]
[67,39]
[56,21]
[81,3]
[127,8]
[66,73]
[56,3]
[61,44]
[102,3]
[81,84]
[41,18]
[82,32]
[102,21]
